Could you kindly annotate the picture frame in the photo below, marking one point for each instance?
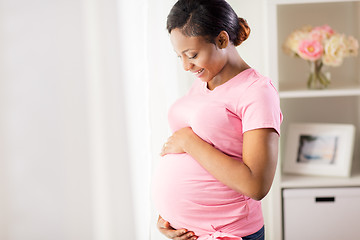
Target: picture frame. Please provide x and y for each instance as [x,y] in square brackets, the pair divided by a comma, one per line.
[319,149]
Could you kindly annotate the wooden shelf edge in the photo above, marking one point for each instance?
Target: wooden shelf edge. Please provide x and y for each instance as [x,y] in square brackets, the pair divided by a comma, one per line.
[304,93]
[303,181]
[288,2]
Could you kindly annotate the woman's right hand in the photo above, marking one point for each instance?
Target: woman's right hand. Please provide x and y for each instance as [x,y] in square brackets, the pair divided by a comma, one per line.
[175,234]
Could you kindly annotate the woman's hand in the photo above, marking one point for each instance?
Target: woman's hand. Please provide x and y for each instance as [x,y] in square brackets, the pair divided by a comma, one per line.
[176,142]
[179,234]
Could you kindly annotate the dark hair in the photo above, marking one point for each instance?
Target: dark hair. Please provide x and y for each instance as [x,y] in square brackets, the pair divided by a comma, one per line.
[207,18]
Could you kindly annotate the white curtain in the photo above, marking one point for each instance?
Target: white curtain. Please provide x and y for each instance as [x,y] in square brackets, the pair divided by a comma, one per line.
[132,87]
[84,90]
[135,60]
[152,79]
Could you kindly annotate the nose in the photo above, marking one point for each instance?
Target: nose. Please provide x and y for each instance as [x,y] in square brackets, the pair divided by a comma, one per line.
[187,65]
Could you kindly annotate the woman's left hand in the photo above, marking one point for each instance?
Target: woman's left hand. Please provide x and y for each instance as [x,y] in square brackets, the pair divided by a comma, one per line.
[176,142]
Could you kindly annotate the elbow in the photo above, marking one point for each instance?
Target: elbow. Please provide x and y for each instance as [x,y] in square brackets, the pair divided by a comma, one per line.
[258,196]
[257,193]
[259,188]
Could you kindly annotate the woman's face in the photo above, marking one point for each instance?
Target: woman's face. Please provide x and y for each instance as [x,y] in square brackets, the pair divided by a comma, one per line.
[202,58]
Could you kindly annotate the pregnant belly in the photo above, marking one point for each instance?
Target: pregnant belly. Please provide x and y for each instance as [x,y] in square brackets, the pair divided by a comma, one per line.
[187,196]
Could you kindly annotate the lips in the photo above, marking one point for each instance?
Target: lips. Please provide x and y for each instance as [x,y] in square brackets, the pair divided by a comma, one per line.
[198,73]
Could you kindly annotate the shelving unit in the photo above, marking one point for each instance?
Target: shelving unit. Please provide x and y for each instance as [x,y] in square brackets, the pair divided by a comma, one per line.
[340,103]
[298,181]
[341,91]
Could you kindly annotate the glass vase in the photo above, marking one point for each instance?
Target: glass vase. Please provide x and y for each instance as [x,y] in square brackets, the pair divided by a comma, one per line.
[317,79]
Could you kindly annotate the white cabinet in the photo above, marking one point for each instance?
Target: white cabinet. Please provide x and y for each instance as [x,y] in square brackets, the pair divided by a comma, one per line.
[315,213]
[340,103]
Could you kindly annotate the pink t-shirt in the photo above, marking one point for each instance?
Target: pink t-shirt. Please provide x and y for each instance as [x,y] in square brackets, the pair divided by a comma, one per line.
[184,193]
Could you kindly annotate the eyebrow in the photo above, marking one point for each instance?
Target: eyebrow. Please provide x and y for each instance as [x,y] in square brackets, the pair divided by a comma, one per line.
[187,50]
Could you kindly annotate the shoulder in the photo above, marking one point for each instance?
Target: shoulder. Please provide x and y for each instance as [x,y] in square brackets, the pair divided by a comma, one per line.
[256,81]
[252,85]
[257,92]
[259,106]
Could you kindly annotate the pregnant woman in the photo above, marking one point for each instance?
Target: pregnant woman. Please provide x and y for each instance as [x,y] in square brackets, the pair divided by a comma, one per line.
[221,158]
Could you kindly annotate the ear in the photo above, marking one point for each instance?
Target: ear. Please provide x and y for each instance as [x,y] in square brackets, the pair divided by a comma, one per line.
[222,40]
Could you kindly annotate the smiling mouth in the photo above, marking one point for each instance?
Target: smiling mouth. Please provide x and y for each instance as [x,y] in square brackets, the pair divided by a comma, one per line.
[199,72]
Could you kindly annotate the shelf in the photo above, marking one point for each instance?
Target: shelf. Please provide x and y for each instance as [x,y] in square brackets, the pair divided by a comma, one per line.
[287,2]
[339,103]
[301,181]
[292,73]
[305,93]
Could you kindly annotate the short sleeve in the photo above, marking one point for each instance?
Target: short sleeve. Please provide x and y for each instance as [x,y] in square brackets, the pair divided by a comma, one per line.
[260,106]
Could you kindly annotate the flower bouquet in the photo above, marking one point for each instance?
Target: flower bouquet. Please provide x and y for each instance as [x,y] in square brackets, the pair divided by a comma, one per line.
[320,46]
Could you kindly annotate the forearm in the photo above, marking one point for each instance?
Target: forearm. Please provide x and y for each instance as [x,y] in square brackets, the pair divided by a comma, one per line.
[252,180]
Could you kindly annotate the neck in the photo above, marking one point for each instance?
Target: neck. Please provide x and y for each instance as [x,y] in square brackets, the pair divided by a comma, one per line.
[233,67]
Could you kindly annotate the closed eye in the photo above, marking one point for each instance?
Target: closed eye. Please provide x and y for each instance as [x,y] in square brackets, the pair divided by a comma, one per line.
[193,57]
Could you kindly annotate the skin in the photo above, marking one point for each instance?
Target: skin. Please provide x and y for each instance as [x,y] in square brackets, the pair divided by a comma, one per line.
[176,234]
[220,61]
[253,177]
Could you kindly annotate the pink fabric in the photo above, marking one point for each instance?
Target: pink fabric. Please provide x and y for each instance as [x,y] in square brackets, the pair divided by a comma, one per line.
[219,235]
[184,193]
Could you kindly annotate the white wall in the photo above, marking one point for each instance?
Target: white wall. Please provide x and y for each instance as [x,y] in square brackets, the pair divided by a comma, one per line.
[253,50]
[44,157]
[49,123]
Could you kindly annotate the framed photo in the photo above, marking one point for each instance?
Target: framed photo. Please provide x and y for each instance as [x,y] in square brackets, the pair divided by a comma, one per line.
[319,149]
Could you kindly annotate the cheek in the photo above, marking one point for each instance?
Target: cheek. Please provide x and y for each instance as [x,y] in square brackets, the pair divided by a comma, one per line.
[210,62]
[214,64]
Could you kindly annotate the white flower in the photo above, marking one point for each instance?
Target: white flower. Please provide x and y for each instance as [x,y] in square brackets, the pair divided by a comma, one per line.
[352,46]
[335,50]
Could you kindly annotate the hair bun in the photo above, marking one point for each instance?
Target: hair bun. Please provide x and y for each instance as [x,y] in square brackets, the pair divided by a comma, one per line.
[244,32]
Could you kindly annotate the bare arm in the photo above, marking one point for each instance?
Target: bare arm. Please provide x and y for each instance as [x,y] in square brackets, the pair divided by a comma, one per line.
[252,177]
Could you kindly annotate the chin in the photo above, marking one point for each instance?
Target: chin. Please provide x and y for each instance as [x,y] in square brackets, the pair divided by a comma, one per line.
[205,79]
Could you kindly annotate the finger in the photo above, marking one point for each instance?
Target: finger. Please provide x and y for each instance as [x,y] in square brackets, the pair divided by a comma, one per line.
[163,152]
[166,229]
[179,234]
[163,149]
[186,236]
[161,223]
[170,232]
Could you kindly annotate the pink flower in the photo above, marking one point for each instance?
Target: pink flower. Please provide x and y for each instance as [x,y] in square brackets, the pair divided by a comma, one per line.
[325,29]
[321,33]
[291,44]
[321,43]
[310,49]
